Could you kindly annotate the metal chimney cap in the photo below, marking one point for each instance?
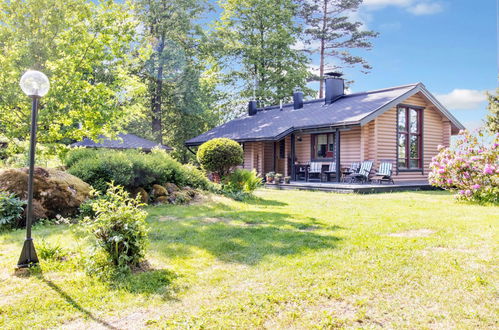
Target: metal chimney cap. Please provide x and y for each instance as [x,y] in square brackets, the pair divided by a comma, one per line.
[333,74]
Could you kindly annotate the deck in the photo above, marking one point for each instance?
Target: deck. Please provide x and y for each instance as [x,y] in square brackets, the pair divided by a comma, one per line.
[367,188]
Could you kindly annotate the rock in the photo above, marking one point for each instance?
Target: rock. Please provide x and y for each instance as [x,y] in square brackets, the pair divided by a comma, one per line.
[190,192]
[144,196]
[171,187]
[162,200]
[180,197]
[55,192]
[158,190]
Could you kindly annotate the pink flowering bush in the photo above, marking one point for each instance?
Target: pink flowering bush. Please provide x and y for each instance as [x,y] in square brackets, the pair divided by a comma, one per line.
[470,168]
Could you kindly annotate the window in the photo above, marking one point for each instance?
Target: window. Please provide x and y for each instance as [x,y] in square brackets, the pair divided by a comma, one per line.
[323,146]
[409,138]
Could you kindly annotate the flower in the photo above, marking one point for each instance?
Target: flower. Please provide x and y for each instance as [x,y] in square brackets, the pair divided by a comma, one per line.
[476,186]
[488,169]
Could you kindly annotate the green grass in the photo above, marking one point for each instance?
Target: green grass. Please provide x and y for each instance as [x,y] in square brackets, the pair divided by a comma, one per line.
[286,259]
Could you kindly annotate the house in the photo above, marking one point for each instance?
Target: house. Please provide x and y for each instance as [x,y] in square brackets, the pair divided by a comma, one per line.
[403,125]
[122,142]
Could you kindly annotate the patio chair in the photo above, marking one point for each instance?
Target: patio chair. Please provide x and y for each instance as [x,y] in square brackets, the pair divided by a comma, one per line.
[315,170]
[354,168]
[384,172]
[331,170]
[363,175]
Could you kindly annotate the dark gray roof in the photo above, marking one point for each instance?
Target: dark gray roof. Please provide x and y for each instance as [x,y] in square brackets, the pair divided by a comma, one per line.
[122,141]
[272,123]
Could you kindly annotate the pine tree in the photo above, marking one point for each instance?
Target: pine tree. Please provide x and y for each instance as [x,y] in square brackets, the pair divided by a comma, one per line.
[332,34]
[255,39]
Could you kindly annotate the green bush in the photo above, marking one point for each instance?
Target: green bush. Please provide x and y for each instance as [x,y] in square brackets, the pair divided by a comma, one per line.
[133,169]
[11,209]
[119,227]
[242,181]
[75,155]
[220,155]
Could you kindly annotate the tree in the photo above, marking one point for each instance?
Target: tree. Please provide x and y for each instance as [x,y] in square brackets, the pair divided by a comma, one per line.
[181,92]
[493,116]
[332,34]
[84,49]
[220,155]
[255,37]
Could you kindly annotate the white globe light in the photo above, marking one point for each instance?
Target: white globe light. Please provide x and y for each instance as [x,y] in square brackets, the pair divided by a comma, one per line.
[35,83]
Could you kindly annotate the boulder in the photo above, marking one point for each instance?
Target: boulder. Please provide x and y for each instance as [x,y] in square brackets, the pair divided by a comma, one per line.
[180,197]
[162,200]
[158,190]
[55,192]
[171,187]
[144,196]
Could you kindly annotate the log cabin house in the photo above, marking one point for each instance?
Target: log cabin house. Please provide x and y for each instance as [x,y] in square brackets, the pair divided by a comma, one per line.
[402,125]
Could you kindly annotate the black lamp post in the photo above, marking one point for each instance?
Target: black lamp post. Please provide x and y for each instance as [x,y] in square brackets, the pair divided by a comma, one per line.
[34,84]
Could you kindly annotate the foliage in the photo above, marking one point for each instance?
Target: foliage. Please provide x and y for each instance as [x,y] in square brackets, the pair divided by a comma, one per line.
[16,154]
[470,169]
[329,25]
[242,180]
[181,86]
[119,227]
[493,116]
[84,47]
[220,155]
[49,251]
[11,209]
[258,35]
[133,169]
[75,155]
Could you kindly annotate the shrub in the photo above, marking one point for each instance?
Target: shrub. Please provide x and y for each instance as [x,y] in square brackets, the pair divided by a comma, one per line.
[470,168]
[75,155]
[220,155]
[48,251]
[119,227]
[242,181]
[133,169]
[11,210]
[101,169]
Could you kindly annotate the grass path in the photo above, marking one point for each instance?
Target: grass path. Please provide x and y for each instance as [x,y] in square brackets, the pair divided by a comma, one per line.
[289,259]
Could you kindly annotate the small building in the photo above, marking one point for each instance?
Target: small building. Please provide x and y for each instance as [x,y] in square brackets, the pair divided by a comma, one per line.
[402,125]
[121,142]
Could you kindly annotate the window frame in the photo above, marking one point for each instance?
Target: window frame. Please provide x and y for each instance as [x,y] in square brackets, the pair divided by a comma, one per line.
[329,135]
[408,134]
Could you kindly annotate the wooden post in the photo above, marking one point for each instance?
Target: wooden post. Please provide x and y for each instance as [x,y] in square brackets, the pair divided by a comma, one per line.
[293,156]
[337,155]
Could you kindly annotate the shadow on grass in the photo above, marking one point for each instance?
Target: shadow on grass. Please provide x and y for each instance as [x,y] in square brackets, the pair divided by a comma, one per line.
[255,200]
[151,281]
[241,236]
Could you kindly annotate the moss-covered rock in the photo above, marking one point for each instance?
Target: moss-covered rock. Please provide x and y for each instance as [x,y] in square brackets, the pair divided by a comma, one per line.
[158,190]
[180,197]
[55,192]
[171,187]
[144,196]
[162,200]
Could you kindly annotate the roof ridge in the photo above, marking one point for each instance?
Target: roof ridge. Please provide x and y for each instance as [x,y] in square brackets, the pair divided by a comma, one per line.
[383,89]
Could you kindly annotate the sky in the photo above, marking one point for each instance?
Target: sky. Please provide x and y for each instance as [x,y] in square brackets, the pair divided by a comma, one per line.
[448,45]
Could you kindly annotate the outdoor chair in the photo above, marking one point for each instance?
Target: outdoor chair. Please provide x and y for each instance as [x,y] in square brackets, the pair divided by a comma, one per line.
[363,175]
[384,172]
[331,170]
[315,170]
[354,168]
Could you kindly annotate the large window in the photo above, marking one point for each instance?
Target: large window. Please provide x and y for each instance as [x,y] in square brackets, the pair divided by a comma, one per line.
[409,138]
[323,146]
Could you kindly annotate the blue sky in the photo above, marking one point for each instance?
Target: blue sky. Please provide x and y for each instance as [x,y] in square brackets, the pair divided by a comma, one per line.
[449,45]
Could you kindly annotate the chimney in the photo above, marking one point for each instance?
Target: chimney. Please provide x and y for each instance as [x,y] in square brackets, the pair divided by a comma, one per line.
[298,99]
[252,110]
[335,86]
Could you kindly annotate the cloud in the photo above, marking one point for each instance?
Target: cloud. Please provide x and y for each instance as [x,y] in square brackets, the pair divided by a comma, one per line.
[426,8]
[463,99]
[416,7]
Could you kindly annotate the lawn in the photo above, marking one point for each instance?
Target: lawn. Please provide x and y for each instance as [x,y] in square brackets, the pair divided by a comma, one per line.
[286,259]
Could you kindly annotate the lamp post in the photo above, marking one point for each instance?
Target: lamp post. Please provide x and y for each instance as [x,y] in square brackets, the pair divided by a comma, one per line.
[34,84]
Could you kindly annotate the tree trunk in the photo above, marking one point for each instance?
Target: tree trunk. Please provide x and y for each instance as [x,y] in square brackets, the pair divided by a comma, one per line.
[157,126]
[323,45]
